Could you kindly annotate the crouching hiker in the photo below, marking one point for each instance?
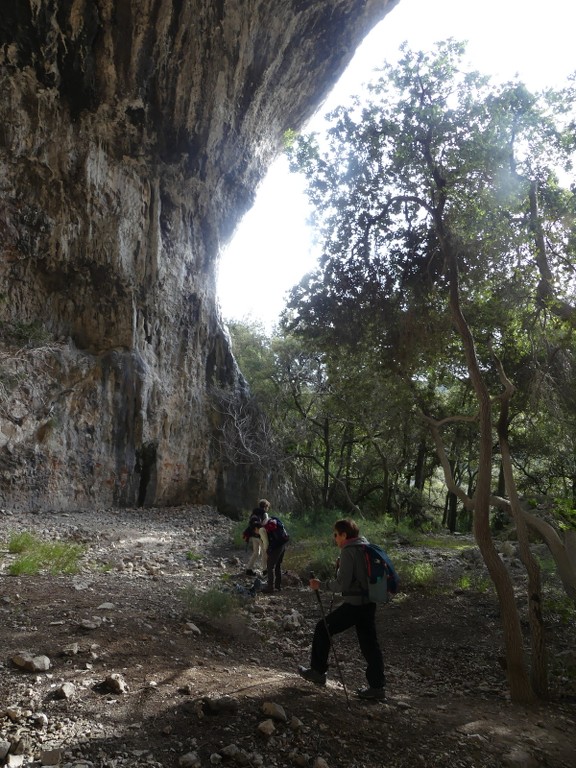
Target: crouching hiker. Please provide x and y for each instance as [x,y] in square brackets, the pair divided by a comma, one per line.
[251,535]
[356,611]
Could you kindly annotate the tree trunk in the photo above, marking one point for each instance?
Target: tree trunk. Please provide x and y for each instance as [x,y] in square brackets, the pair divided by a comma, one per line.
[519,683]
[386,488]
[521,690]
[501,488]
[539,660]
[415,511]
[451,502]
[452,511]
[326,459]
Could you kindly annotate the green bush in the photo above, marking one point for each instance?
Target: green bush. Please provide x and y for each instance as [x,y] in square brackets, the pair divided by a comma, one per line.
[211,604]
[311,557]
[20,542]
[37,555]
[311,548]
[27,565]
[475,582]
[415,575]
[559,609]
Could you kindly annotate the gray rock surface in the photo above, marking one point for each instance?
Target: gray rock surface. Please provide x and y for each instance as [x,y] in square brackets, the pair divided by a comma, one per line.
[135,133]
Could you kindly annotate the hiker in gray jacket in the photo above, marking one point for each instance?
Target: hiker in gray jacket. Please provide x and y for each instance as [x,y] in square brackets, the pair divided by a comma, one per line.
[355,611]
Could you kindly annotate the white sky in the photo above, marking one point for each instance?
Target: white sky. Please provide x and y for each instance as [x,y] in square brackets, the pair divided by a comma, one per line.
[272,248]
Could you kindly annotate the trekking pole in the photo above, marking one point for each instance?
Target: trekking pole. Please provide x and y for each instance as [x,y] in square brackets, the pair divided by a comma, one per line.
[331,641]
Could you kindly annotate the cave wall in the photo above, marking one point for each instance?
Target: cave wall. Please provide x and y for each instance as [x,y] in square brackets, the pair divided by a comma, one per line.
[134,134]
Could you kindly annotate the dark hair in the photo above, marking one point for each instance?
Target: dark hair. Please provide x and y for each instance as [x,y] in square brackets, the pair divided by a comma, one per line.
[258,514]
[348,527]
[264,504]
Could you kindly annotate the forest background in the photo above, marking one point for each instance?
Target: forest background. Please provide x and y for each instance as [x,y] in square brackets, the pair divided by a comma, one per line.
[425,370]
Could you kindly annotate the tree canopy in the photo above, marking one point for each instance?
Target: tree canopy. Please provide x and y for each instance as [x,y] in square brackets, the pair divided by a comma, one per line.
[446,283]
[441,175]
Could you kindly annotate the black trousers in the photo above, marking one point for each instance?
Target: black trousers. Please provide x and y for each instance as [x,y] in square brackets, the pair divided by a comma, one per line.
[363,617]
[274,559]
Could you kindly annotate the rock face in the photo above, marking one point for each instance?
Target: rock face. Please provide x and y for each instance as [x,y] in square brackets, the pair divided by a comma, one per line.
[134,134]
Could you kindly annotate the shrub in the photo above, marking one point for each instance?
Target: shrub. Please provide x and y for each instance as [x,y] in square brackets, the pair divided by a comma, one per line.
[415,574]
[475,582]
[211,604]
[37,555]
[311,548]
[20,542]
[311,557]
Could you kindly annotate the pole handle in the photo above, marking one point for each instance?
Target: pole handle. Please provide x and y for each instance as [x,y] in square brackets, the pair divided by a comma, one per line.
[312,576]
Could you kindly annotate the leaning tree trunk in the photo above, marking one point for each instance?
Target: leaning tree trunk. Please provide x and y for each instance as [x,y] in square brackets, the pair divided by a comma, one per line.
[539,657]
[521,691]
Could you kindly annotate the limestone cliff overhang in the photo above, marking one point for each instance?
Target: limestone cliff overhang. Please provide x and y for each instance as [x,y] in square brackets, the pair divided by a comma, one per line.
[211,82]
[134,135]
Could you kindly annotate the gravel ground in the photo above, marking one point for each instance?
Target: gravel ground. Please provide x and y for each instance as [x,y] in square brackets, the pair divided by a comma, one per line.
[134,678]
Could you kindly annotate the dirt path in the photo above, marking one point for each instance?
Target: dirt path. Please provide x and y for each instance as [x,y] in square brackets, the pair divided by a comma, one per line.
[197,694]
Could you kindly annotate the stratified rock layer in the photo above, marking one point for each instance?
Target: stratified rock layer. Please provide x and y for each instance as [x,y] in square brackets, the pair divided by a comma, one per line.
[134,134]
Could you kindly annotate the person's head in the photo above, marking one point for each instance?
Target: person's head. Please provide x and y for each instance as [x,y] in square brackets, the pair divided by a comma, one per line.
[344,530]
[264,505]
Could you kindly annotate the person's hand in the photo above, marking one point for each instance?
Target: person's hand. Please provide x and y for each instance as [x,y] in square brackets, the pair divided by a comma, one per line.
[314,584]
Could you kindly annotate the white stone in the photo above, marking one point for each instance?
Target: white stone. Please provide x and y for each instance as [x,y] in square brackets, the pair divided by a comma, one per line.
[31,663]
[190,760]
[275,711]
[267,727]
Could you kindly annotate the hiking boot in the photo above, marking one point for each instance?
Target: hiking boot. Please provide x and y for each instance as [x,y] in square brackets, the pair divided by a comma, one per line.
[318,678]
[371,694]
[267,591]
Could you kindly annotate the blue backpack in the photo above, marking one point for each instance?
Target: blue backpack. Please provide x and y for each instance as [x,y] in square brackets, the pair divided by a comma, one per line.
[277,533]
[383,580]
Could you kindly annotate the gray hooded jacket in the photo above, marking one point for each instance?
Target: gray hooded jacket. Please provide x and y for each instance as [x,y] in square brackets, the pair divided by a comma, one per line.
[352,578]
